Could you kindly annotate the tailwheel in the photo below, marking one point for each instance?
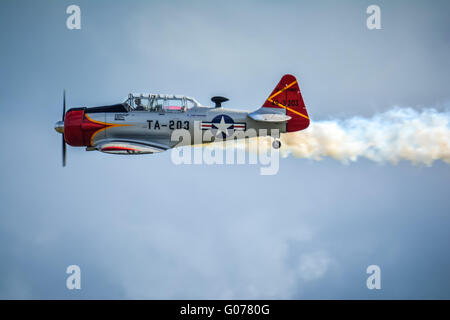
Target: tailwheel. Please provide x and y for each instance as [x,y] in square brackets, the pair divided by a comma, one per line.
[276,144]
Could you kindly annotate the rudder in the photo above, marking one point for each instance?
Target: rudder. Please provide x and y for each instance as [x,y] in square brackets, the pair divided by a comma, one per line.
[287,96]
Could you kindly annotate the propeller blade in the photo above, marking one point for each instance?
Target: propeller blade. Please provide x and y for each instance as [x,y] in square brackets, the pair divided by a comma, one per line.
[64,105]
[63,141]
[63,151]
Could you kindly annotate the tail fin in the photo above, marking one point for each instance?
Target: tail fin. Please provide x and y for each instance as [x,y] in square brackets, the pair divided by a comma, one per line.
[287,96]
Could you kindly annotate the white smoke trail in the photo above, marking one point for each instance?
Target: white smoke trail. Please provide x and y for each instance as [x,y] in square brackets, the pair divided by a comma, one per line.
[391,136]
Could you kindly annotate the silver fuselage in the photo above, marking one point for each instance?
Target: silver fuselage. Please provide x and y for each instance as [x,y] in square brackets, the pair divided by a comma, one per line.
[157,127]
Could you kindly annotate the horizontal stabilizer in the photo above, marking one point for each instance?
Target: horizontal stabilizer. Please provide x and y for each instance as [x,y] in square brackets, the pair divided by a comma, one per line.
[269,117]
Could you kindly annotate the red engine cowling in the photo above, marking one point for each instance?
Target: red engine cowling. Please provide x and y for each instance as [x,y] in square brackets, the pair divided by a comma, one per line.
[78,129]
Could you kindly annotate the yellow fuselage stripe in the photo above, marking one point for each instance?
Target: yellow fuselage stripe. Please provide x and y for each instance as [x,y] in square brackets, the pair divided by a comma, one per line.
[108,125]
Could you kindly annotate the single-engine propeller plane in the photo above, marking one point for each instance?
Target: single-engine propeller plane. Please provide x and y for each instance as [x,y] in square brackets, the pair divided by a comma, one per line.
[144,124]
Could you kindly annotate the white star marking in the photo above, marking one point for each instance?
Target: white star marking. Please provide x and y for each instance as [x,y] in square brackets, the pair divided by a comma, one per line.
[222,127]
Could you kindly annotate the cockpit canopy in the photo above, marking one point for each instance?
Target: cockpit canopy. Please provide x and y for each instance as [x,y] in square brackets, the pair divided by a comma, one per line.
[160,102]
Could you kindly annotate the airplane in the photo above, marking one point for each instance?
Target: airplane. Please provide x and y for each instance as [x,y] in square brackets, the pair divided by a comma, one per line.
[144,124]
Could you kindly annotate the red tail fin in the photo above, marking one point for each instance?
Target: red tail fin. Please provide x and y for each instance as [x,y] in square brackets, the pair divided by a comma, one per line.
[287,96]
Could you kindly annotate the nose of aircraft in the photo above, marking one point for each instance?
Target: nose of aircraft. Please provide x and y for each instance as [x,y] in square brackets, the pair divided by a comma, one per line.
[59,126]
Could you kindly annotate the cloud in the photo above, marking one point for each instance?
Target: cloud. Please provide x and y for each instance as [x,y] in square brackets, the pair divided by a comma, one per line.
[313,266]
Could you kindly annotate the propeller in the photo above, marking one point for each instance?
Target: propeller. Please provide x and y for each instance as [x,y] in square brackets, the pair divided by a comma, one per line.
[63,141]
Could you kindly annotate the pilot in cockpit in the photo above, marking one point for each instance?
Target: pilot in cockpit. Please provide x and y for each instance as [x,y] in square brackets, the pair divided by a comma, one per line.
[138,104]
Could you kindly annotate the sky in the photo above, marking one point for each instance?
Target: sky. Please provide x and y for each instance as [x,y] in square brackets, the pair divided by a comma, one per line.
[142,227]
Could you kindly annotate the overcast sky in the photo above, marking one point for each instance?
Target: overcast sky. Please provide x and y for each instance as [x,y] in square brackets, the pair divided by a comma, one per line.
[142,227]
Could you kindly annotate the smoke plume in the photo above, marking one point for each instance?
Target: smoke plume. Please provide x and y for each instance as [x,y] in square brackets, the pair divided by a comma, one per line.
[395,135]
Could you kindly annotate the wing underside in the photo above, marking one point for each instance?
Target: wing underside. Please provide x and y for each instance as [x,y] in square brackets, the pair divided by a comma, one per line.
[130,147]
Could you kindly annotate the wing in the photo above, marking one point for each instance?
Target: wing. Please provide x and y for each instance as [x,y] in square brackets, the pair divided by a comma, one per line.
[130,147]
